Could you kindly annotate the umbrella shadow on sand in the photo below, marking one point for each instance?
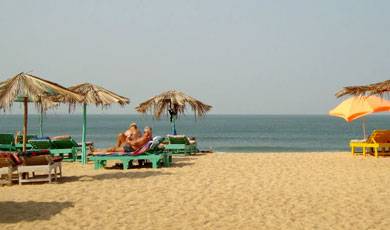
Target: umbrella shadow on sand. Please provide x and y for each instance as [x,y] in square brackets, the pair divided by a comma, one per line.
[13,212]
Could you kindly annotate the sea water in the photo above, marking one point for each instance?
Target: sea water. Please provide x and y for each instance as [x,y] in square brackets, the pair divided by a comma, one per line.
[223,133]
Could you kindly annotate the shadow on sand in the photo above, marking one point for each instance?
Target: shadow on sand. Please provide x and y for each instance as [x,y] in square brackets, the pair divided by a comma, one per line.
[181,164]
[13,212]
[113,176]
[181,159]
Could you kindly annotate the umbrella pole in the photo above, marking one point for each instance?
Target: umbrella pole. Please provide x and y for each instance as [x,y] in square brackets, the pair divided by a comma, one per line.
[364,128]
[25,105]
[84,136]
[41,123]
[173,126]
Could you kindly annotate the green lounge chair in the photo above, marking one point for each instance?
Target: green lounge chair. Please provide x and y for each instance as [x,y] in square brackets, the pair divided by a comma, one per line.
[7,142]
[156,158]
[180,144]
[150,152]
[67,147]
[19,145]
[29,137]
[40,144]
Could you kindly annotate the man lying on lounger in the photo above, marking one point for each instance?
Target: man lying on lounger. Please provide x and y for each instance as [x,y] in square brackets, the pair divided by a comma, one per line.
[131,145]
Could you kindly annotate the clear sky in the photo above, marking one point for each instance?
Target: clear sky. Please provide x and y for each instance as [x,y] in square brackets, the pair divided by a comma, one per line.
[242,57]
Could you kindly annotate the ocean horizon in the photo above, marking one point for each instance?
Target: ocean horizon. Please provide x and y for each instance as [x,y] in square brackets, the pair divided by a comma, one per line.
[220,133]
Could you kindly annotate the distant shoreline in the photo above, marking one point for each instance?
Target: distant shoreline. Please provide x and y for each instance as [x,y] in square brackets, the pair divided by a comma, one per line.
[78,113]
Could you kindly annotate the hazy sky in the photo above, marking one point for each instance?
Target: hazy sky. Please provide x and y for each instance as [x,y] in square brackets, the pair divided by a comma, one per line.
[256,57]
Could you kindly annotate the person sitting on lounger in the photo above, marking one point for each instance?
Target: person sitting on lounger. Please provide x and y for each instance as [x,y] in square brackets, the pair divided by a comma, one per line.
[131,145]
[139,142]
[132,133]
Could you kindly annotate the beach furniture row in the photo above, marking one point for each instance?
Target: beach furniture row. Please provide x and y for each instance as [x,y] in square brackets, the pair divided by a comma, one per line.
[64,146]
[9,143]
[46,155]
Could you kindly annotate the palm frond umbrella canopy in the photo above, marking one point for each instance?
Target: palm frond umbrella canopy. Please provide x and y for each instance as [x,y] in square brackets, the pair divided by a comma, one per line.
[175,103]
[379,88]
[34,89]
[98,96]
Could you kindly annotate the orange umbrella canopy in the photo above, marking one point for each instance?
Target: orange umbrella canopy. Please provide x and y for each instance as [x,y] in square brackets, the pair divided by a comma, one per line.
[359,106]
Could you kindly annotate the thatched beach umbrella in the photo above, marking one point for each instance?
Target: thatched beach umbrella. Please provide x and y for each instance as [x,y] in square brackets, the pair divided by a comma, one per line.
[98,96]
[175,103]
[379,88]
[34,89]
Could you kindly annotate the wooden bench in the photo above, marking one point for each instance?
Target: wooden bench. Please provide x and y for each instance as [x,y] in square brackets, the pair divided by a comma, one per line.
[43,164]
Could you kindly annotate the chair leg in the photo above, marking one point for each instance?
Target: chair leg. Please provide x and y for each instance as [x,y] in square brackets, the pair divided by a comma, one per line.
[49,175]
[20,178]
[125,164]
[9,175]
[96,164]
[55,173]
[165,160]
[154,163]
[376,152]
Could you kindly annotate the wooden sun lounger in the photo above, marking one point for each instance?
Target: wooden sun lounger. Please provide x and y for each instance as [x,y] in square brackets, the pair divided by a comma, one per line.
[165,158]
[379,139]
[43,164]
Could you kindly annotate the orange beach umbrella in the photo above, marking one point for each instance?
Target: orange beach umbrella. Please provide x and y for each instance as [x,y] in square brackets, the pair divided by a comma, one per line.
[357,107]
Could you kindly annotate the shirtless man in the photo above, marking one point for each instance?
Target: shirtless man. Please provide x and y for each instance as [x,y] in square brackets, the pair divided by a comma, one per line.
[139,142]
[131,145]
[132,133]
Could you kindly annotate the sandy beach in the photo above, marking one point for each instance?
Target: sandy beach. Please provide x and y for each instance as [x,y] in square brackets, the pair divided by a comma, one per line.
[212,191]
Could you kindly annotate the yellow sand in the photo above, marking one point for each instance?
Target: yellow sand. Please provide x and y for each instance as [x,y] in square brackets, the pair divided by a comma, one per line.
[214,191]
